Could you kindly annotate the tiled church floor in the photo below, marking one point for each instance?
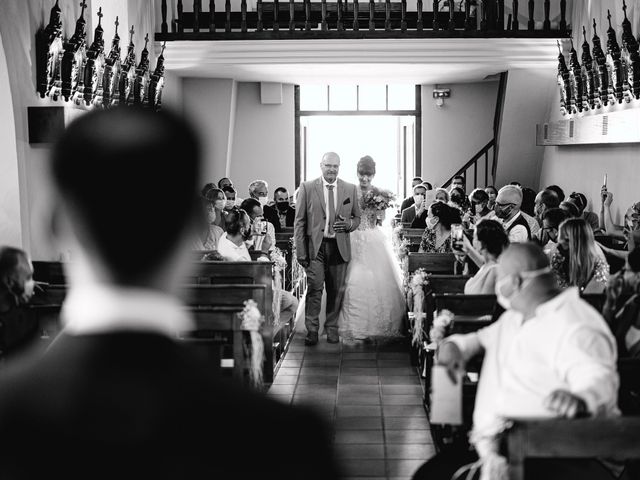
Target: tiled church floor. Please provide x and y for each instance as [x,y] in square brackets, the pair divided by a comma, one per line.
[371,396]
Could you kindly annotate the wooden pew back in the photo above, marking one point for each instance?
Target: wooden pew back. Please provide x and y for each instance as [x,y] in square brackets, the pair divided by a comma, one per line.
[442,263]
[451,284]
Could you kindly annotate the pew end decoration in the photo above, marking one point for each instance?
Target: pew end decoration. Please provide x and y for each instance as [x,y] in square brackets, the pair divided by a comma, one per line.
[416,294]
[252,321]
[279,268]
[440,328]
[88,76]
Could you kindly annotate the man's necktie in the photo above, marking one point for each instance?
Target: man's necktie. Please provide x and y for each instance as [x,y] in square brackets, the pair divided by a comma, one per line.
[332,210]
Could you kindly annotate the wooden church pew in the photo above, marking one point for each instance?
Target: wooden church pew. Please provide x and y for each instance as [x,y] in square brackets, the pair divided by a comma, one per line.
[442,263]
[614,438]
[448,284]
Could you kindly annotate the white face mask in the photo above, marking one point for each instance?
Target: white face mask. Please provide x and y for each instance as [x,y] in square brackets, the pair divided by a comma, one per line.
[263,201]
[418,199]
[506,299]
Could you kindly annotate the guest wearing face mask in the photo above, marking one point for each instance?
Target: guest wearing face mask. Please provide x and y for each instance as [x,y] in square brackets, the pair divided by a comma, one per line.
[489,239]
[261,240]
[215,202]
[285,212]
[416,214]
[17,328]
[437,234]
[259,190]
[231,245]
[230,198]
[407,202]
[507,209]
[479,209]
[548,235]
[493,193]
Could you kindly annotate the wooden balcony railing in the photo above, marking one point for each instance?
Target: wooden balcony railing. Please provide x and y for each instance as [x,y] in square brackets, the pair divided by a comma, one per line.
[365,19]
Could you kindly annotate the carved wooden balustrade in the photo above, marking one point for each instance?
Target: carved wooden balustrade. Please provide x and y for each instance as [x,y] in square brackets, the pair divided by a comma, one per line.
[308,19]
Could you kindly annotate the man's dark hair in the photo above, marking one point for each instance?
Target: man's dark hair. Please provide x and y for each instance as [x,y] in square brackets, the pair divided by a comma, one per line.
[516,183]
[428,185]
[492,236]
[417,179]
[228,188]
[248,204]
[558,191]
[279,190]
[549,198]
[528,201]
[458,177]
[233,220]
[555,216]
[119,150]
[579,200]
[221,181]
[571,209]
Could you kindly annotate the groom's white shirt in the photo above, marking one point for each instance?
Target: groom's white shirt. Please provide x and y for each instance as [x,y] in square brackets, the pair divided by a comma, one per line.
[325,190]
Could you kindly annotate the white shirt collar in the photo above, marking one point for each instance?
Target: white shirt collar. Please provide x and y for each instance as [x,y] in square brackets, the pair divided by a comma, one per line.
[508,224]
[325,183]
[96,308]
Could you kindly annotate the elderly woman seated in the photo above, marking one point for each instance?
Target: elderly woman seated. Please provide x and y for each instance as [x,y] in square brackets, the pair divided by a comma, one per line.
[489,239]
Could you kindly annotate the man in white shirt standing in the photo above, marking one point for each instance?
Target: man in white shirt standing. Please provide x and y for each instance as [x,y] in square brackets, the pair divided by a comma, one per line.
[507,208]
[549,355]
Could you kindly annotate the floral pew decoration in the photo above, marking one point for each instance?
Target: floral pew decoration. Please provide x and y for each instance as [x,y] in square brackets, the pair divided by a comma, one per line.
[416,294]
[439,328]
[279,268]
[252,321]
[401,248]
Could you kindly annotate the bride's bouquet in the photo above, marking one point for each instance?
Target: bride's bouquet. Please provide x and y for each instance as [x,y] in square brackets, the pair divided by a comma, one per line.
[378,199]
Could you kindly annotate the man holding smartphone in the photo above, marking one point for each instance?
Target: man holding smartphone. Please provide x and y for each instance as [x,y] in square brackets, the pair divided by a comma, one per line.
[416,214]
[263,235]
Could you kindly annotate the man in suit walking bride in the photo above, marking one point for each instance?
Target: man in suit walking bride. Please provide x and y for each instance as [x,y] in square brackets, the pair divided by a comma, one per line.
[327,210]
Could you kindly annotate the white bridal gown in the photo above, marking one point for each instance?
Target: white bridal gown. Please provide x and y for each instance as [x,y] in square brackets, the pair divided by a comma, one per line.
[374,303]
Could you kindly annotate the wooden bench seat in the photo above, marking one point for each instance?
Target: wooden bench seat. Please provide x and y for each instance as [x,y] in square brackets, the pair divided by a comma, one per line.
[442,263]
[448,284]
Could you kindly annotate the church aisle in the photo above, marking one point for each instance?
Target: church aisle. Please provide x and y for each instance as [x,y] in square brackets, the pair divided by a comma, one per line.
[370,395]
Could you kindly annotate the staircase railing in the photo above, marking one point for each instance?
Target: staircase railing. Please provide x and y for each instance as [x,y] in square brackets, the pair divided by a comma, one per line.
[306,19]
[483,154]
[491,147]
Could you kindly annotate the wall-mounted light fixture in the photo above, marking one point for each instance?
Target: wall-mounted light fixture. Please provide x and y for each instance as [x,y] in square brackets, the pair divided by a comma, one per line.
[439,94]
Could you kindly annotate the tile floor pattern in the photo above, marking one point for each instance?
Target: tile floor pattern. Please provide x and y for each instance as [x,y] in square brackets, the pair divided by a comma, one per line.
[372,397]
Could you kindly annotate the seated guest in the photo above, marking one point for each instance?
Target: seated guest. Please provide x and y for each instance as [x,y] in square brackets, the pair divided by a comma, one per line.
[208,233]
[545,200]
[215,203]
[407,202]
[559,192]
[206,188]
[571,209]
[580,201]
[623,285]
[442,195]
[259,190]
[493,194]
[286,213]
[18,329]
[458,181]
[416,214]
[507,209]
[479,210]
[578,261]
[549,355]
[116,394]
[489,240]
[631,217]
[548,236]
[230,195]
[459,200]
[260,240]
[437,234]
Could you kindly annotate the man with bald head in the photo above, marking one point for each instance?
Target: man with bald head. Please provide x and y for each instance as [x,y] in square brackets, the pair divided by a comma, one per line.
[549,355]
[545,200]
[327,210]
[507,208]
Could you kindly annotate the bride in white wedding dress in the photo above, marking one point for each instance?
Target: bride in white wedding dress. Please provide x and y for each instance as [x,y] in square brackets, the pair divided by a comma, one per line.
[374,304]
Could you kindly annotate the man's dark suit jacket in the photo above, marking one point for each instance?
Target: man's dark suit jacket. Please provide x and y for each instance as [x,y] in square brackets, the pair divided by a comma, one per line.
[409,216]
[271,215]
[275,218]
[139,405]
[406,203]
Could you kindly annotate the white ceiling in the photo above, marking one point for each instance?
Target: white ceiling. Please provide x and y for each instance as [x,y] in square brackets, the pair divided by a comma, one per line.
[425,61]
